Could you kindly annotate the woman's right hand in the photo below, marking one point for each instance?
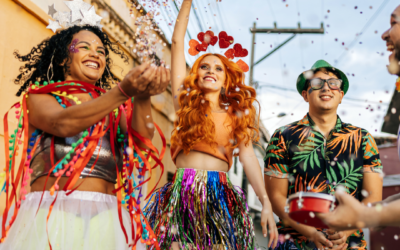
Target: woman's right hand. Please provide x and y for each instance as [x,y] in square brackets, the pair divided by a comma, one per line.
[319,239]
[136,82]
[267,220]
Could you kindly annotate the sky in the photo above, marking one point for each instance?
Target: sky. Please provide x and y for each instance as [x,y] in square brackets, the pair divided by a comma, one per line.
[352,43]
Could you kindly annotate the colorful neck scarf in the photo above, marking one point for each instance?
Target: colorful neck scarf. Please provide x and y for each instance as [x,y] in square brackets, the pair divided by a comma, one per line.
[135,159]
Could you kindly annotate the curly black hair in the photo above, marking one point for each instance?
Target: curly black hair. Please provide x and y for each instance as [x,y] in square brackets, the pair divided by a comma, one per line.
[56,47]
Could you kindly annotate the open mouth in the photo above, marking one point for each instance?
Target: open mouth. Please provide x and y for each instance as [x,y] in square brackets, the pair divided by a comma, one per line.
[210,79]
[390,47]
[91,64]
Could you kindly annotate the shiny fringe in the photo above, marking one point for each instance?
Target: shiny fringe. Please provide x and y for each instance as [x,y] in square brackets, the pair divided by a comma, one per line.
[202,210]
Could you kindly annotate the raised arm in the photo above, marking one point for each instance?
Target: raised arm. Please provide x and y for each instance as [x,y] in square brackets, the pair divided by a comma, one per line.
[178,62]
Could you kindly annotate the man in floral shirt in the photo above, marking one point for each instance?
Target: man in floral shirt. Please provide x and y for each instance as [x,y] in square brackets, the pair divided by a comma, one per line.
[318,153]
[350,212]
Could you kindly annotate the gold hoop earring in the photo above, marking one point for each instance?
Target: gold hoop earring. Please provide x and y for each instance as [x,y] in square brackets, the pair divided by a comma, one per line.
[50,67]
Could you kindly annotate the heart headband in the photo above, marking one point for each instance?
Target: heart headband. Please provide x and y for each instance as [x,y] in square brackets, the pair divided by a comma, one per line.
[224,41]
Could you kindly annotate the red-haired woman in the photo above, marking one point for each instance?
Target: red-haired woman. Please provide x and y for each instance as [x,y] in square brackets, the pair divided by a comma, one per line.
[200,208]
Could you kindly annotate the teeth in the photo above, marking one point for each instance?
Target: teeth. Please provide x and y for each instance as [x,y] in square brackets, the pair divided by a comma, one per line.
[91,65]
[210,79]
[390,47]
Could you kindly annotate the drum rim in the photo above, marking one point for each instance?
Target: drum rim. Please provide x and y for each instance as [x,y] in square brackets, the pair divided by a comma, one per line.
[312,195]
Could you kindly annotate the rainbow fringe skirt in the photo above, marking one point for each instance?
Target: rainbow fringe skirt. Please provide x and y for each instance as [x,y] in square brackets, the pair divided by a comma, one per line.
[201,210]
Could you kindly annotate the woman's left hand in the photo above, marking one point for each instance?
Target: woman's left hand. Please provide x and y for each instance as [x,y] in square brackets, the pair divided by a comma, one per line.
[267,219]
[159,83]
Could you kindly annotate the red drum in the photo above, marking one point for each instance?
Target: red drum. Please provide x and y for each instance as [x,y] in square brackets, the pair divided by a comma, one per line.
[303,206]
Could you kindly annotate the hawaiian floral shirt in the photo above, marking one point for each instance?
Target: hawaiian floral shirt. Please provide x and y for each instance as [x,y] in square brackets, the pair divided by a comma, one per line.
[313,163]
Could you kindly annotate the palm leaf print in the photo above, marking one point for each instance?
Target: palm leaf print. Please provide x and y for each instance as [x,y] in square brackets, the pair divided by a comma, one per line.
[310,187]
[305,132]
[369,146]
[280,168]
[347,137]
[281,129]
[308,152]
[276,151]
[349,176]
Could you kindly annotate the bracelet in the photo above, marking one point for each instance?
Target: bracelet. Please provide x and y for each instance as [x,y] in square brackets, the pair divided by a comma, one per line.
[123,92]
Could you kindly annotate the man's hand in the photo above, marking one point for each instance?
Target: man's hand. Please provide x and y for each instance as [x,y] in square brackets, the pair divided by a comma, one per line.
[320,241]
[347,215]
[267,218]
[338,239]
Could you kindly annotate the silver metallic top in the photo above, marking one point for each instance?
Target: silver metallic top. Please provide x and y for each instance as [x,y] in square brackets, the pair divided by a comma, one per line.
[105,167]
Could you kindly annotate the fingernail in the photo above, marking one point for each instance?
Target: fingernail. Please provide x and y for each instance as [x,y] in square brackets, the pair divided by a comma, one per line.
[265,235]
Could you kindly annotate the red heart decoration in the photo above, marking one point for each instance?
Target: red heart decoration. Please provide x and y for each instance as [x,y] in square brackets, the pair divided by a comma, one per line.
[202,47]
[230,53]
[242,65]
[239,51]
[200,36]
[193,47]
[223,44]
[224,35]
[209,32]
[208,37]
[214,40]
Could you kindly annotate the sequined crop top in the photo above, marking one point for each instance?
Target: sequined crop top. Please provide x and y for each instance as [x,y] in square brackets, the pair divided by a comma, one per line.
[222,135]
[105,166]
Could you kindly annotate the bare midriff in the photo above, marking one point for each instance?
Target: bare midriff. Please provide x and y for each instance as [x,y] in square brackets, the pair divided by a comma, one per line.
[201,161]
[89,184]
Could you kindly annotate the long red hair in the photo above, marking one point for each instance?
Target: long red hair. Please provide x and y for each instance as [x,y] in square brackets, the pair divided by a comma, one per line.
[194,125]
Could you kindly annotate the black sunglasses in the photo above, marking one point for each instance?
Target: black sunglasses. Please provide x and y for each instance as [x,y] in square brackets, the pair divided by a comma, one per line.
[318,83]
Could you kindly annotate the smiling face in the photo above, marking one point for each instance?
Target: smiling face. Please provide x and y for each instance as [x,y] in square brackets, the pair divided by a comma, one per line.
[392,35]
[211,74]
[324,99]
[87,58]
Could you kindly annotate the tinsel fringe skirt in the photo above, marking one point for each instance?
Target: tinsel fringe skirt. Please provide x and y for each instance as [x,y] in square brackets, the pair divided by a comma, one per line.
[80,221]
[201,210]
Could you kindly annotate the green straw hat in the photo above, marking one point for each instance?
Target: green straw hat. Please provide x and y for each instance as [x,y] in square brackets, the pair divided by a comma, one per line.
[301,80]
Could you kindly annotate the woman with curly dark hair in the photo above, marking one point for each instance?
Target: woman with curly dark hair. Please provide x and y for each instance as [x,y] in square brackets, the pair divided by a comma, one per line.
[77,142]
